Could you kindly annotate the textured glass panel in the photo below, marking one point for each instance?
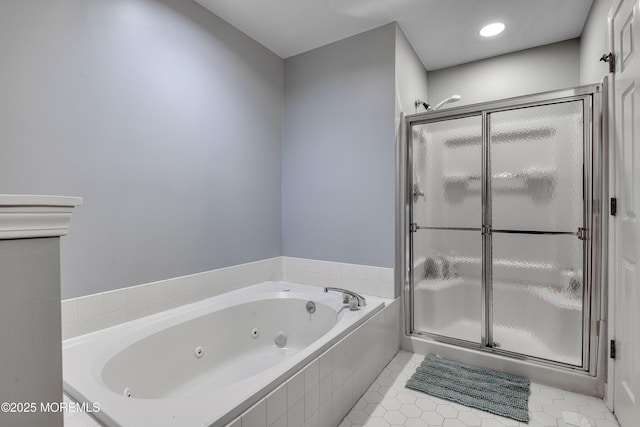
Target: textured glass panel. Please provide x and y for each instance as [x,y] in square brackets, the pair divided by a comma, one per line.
[446,283]
[537,295]
[447,159]
[536,167]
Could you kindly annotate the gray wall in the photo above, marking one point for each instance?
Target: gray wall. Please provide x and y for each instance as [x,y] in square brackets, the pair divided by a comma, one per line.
[540,69]
[167,120]
[594,42]
[411,84]
[339,151]
[411,76]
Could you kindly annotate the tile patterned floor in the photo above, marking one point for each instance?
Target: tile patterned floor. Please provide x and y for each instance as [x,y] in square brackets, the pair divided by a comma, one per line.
[78,419]
[388,403]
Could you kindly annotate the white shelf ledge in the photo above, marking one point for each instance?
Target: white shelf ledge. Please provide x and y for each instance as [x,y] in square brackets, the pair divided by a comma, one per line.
[28,216]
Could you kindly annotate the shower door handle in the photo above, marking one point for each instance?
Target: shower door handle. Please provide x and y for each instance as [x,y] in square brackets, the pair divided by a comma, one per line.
[413,227]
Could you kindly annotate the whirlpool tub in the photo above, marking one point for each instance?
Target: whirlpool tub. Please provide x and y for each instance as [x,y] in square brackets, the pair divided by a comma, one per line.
[205,363]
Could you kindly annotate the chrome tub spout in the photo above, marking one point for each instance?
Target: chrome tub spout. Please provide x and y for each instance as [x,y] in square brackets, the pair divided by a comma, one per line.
[360,299]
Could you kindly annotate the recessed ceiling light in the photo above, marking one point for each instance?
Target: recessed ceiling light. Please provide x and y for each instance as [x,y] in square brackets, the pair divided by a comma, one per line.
[492,29]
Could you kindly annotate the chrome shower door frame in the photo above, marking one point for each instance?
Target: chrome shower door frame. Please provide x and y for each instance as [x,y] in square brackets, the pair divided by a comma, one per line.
[594,219]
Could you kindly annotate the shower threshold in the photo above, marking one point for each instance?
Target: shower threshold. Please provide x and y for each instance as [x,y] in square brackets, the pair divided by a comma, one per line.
[510,338]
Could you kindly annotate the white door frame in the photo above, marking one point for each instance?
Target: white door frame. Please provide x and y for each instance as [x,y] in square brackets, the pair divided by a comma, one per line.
[609,133]
[616,240]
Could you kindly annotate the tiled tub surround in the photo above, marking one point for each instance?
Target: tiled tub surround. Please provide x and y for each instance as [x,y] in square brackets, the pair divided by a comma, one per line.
[322,387]
[323,393]
[94,312]
[364,279]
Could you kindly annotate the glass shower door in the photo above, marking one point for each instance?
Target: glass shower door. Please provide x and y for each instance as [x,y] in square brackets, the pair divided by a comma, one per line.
[504,225]
[446,241]
[537,209]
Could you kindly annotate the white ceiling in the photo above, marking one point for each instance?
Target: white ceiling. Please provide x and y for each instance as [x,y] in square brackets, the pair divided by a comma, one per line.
[443,32]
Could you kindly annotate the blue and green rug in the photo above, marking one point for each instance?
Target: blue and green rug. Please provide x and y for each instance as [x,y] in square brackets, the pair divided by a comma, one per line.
[491,391]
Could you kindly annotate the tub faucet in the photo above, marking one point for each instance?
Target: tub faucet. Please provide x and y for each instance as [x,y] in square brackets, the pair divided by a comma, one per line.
[361,300]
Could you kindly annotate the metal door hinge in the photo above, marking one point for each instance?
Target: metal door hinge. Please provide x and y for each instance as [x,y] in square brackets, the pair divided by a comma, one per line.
[583,233]
[612,349]
[614,206]
[413,227]
[611,59]
[416,192]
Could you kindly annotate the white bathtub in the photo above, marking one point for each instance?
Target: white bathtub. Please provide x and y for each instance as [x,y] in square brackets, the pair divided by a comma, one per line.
[205,363]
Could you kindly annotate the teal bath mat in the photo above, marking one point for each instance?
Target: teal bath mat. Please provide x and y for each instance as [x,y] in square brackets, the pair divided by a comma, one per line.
[491,391]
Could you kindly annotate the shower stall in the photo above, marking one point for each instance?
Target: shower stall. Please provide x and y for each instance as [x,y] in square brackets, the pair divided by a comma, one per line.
[501,242]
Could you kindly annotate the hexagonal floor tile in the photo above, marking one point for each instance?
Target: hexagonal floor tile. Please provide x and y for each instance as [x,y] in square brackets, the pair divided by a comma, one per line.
[553,411]
[360,404]
[388,403]
[432,418]
[375,410]
[469,418]
[415,422]
[411,411]
[447,411]
[544,418]
[551,392]
[395,417]
[374,386]
[426,404]
[391,404]
[507,422]
[482,414]
[358,416]
[372,397]
[388,391]
[405,397]
[590,411]
[377,422]
[385,381]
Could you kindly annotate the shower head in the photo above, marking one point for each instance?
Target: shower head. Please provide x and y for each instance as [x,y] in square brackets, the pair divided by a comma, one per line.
[452,98]
[428,107]
[424,104]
